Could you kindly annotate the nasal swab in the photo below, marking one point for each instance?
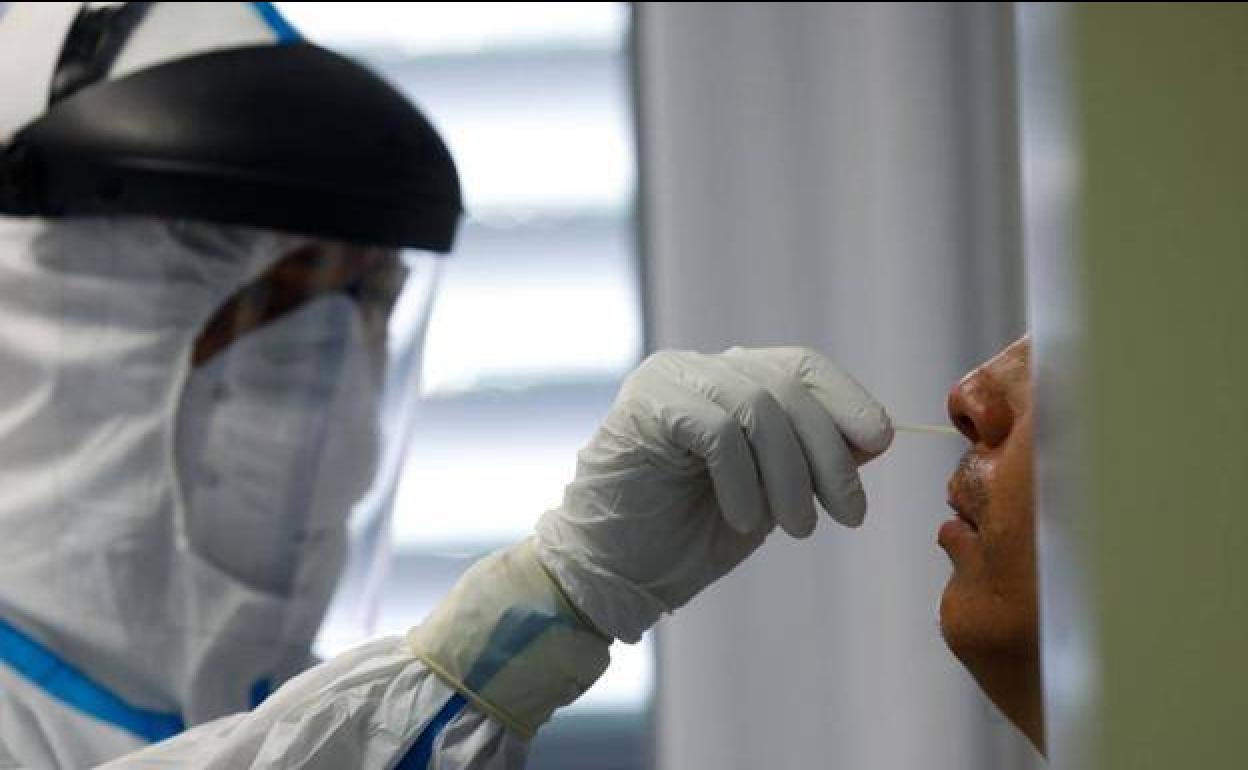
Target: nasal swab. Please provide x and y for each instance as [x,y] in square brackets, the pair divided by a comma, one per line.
[947,430]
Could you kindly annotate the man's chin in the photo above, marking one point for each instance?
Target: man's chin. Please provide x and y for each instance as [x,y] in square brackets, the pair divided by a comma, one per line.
[951,627]
[964,636]
[974,628]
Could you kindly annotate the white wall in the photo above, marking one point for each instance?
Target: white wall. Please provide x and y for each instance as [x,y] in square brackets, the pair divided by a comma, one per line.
[839,176]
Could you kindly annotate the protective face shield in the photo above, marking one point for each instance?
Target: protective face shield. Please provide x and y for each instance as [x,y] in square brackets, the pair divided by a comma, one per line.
[202,417]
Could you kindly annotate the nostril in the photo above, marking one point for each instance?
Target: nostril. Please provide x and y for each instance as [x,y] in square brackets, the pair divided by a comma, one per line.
[963,404]
[966,426]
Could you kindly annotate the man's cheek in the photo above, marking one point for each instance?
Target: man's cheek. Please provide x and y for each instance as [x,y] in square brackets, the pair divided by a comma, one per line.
[1008,567]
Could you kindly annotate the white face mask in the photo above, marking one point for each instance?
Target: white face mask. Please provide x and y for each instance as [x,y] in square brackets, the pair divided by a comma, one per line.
[276,440]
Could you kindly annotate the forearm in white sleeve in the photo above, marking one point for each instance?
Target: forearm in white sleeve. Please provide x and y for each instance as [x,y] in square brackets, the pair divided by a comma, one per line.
[465,690]
[375,708]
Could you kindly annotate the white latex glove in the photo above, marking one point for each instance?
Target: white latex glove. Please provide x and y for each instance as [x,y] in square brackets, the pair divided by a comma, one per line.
[700,457]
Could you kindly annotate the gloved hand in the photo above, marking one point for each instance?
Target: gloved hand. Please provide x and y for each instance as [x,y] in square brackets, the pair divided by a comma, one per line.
[700,457]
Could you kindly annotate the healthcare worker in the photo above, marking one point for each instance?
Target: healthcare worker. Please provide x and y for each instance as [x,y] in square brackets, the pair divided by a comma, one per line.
[207,228]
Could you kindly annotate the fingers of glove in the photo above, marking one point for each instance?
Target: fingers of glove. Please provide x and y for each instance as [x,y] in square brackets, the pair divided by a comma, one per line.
[860,418]
[783,470]
[697,425]
[832,466]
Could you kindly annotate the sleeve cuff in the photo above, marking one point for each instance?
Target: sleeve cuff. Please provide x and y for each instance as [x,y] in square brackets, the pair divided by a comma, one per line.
[510,641]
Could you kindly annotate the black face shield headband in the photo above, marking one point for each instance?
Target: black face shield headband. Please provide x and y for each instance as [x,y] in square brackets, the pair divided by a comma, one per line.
[287,137]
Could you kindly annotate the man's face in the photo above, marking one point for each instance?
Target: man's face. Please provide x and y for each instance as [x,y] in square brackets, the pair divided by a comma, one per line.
[989,607]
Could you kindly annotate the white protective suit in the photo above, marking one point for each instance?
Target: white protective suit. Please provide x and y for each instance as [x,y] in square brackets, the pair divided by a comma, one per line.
[159,568]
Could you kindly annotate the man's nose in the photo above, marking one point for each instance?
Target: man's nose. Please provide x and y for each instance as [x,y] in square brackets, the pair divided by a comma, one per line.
[979,410]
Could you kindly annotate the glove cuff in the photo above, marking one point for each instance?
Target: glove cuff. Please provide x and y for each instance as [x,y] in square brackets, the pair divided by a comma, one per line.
[616,607]
[508,640]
